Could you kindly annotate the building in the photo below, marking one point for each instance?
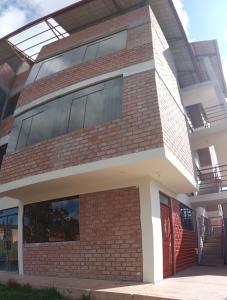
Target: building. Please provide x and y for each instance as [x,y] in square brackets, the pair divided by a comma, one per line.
[112,129]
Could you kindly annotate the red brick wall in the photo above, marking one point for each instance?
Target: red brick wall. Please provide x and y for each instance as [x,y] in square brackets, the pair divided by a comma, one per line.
[138,49]
[174,127]
[110,245]
[139,129]
[185,241]
[6,126]
[103,28]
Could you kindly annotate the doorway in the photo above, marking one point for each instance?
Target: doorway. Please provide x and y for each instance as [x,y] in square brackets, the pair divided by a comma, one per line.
[167,236]
[9,240]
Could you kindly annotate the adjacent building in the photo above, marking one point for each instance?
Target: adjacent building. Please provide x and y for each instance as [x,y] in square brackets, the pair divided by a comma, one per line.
[112,142]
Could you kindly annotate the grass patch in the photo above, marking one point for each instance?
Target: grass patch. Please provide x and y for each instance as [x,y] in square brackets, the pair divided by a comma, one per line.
[25,292]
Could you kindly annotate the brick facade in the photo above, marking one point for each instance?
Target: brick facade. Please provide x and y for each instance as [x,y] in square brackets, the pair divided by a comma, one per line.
[174,127]
[110,245]
[185,241]
[6,126]
[137,50]
[139,129]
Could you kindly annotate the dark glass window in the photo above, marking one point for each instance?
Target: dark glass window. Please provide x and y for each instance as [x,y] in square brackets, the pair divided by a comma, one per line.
[85,108]
[2,100]
[2,153]
[99,48]
[52,221]
[11,106]
[186,217]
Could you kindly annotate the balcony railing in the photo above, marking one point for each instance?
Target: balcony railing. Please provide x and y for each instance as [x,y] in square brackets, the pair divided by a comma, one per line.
[200,116]
[212,179]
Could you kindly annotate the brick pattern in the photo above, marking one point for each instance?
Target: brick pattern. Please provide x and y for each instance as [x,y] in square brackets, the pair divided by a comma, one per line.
[110,244]
[6,126]
[139,129]
[138,49]
[99,30]
[185,241]
[174,127]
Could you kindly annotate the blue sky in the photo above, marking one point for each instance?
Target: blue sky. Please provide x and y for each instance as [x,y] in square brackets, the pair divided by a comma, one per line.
[202,19]
[207,19]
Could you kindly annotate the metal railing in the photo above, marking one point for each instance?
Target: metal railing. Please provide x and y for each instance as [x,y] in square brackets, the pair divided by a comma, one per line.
[212,179]
[206,116]
[215,113]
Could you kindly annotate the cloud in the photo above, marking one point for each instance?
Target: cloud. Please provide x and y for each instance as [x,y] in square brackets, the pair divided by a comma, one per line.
[24,11]
[8,17]
[182,14]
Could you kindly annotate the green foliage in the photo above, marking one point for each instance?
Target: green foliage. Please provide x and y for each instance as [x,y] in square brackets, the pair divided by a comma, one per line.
[26,292]
[84,297]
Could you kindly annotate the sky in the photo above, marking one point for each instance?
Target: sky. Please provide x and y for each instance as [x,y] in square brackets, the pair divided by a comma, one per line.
[206,20]
[202,19]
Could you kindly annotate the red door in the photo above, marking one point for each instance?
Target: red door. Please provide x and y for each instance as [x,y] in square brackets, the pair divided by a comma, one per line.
[167,241]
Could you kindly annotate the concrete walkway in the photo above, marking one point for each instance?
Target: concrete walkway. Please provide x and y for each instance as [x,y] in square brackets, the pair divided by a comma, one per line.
[197,283]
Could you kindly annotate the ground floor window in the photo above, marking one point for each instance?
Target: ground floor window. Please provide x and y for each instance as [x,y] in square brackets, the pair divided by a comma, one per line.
[9,239]
[52,221]
[186,217]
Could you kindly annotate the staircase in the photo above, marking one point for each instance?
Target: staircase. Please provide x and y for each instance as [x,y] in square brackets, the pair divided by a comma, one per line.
[212,254]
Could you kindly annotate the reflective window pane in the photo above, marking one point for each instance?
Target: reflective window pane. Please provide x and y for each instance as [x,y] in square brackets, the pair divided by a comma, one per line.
[11,106]
[51,66]
[33,73]
[78,55]
[113,107]
[91,52]
[112,44]
[77,113]
[2,152]
[52,221]
[87,107]
[2,100]
[95,108]
[24,132]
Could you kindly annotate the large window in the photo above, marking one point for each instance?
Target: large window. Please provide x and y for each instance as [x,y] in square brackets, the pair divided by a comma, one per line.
[78,55]
[186,217]
[10,106]
[2,153]
[2,100]
[84,108]
[52,221]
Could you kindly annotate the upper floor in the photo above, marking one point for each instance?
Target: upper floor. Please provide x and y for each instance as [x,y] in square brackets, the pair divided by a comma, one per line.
[104,85]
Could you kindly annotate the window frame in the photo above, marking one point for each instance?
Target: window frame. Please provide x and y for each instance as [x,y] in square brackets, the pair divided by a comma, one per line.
[184,220]
[38,66]
[76,197]
[113,110]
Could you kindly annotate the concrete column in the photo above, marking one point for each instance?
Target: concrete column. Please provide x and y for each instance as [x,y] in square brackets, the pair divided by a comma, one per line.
[200,215]
[224,209]
[20,237]
[151,231]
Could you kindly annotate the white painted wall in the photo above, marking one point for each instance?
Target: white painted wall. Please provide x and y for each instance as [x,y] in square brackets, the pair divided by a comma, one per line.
[151,231]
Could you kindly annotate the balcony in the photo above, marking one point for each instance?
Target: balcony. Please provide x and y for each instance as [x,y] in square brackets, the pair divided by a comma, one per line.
[212,183]
[212,179]
[206,117]
[208,125]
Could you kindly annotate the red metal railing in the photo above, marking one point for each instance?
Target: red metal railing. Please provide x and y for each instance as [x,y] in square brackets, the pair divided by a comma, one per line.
[212,179]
